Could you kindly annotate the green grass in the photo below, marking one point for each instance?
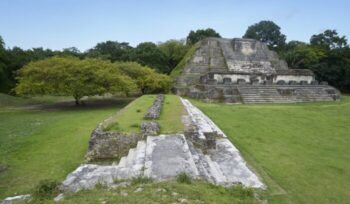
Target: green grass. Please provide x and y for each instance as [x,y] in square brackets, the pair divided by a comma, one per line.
[165,192]
[302,151]
[130,118]
[43,144]
[181,65]
[170,117]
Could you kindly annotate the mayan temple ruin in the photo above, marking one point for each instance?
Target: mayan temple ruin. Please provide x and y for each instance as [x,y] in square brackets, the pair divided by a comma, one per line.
[246,71]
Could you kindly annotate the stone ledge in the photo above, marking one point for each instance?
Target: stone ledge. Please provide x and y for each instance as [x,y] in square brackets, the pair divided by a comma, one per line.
[110,145]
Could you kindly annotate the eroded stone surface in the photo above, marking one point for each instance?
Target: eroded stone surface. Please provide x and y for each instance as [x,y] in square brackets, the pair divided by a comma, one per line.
[150,128]
[165,156]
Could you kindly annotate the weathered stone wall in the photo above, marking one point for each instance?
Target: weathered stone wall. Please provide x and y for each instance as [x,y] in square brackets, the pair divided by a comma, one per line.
[104,145]
[154,111]
[297,79]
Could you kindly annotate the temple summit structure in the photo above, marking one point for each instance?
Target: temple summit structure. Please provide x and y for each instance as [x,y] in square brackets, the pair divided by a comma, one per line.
[246,71]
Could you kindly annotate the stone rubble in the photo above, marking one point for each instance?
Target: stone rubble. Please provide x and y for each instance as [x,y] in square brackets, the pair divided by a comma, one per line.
[16,199]
[154,111]
[163,157]
[150,128]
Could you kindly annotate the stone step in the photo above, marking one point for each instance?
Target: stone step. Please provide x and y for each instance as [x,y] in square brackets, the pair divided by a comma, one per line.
[167,156]
[231,164]
[206,167]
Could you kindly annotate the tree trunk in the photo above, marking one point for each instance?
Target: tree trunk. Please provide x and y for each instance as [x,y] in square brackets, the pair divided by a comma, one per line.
[78,102]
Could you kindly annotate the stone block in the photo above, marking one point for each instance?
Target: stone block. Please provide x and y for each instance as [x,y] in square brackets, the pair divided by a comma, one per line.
[241,81]
[292,82]
[212,81]
[281,82]
[324,83]
[304,83]
[110,145]
[150,128]
[315,82]
[255,82]
[227,80]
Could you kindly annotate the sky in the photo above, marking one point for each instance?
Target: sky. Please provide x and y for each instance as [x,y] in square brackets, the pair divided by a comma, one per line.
[58,24]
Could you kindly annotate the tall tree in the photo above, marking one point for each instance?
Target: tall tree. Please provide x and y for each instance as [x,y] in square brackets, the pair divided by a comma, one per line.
[329,39]
[111,50]
[149,54]
[195,36]
[3,61]
[268,32]
[174,50]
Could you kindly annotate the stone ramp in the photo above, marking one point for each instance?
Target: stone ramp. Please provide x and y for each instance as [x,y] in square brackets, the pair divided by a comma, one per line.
[163,157]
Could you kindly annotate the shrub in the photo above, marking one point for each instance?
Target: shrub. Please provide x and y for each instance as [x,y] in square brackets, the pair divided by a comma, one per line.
[46,189]
[183,178]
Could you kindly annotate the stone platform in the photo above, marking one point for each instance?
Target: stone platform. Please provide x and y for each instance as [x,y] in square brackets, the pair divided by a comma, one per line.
[246,71]
[163,157]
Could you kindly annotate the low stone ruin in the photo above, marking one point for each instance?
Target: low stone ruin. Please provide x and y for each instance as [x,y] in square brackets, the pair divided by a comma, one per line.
[206,154]
[154,111]
[150,128]
[105,145]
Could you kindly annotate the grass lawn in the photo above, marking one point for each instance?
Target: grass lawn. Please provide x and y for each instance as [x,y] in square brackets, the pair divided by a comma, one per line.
[164,192]
[43,144]
[302,151]
[130,118]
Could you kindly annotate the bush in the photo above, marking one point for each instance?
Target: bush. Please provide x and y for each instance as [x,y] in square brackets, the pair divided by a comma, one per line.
[46,189]
[184,178]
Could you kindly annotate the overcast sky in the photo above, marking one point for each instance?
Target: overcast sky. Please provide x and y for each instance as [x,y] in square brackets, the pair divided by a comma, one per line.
[58,24]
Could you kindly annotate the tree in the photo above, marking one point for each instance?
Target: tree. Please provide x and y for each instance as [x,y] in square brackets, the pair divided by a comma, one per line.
[174,50]
[70,76]
[329,39]
[111,50]
[148,54]
[267,32]
[72,51]
[147,80]
[3,62]
[195,36]
[302,56]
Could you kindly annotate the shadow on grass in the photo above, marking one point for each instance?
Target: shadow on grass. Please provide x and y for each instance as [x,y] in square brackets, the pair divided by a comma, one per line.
[89,104]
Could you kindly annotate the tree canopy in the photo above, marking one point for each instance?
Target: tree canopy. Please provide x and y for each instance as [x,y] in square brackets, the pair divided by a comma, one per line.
[195,36]
[329,39]
[149,54]
[174,51]
[111,50]
[268,32]
[70,76]
[147,79]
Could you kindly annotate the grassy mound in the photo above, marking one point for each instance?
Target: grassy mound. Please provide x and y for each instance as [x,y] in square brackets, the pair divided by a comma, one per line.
[130,118]
[301,150]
